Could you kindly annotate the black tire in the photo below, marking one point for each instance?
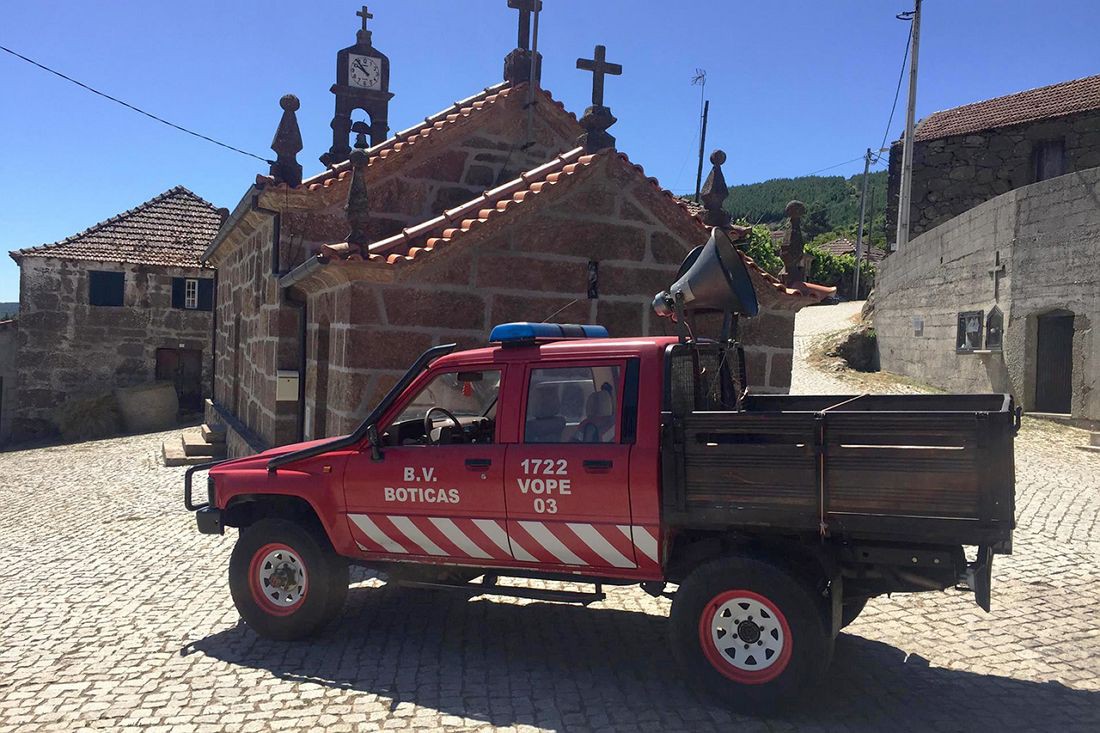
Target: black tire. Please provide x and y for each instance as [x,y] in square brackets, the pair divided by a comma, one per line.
[308,580]
[851,609]
[791,628]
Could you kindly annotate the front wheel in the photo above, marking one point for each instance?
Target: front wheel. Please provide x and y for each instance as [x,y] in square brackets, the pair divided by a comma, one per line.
[748,633]
[286,582]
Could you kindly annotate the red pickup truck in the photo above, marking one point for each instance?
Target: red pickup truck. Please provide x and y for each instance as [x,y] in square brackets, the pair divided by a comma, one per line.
[562,455]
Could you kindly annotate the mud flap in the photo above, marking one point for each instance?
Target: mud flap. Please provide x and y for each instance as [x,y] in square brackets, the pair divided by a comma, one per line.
[979,577]
[836,604]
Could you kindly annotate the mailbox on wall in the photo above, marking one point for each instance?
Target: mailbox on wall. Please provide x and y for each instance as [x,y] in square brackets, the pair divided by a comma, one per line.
[287,386]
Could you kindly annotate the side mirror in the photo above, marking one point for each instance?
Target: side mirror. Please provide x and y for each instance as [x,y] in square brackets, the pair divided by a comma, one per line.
[375,443]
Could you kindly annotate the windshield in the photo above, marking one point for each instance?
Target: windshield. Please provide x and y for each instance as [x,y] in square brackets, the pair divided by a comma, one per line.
[463,394]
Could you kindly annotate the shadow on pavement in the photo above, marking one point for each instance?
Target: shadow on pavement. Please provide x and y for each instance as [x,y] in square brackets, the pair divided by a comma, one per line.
[561,666]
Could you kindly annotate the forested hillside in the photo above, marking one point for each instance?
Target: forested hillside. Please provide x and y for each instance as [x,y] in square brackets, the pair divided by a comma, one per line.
[832,203]
[8,310]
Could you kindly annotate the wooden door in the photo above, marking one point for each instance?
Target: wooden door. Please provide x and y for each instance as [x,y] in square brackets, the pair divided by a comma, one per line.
[182,367]
[1054,363]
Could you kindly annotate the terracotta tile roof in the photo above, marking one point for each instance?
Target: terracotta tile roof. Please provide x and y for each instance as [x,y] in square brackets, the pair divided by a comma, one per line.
[442,231]
[845,246]
[692,206]
[460,112]
[1056,100]
[170,230]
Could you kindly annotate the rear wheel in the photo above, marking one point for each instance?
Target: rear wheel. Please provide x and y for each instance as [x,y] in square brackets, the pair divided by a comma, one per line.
[748,633]
[285,580]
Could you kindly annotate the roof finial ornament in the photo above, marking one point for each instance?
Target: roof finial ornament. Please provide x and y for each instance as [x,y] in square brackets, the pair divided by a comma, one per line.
[357,207]
[287,143]
[517,64]
[598,118]
[714,193]
[793,250]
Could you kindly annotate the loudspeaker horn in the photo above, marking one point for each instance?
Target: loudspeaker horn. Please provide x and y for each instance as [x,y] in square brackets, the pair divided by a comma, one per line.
[711,278]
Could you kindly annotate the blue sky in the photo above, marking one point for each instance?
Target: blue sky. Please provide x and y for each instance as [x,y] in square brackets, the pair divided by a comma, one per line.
[795,86]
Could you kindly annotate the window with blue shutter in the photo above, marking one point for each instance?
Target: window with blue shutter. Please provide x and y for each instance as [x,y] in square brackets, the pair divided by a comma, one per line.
[106,288]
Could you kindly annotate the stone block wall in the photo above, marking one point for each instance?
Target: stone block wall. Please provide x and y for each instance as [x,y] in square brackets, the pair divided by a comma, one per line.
[7,377]
[68,349]
[954,174]
[1048,237]
[376,327]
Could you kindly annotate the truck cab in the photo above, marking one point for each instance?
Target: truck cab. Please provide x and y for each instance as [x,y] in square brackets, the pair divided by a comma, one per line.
[561,454]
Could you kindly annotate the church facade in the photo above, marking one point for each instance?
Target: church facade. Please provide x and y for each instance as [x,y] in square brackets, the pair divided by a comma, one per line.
[503,207]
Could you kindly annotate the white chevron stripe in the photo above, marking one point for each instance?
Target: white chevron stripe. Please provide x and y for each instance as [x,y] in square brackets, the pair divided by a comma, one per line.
[495,533]
[370,529]
[645,542]
[550,543]
[596,542]
[451,531]
[410,530]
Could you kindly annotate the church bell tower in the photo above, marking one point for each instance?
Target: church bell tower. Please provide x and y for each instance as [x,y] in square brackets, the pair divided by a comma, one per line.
[362,83]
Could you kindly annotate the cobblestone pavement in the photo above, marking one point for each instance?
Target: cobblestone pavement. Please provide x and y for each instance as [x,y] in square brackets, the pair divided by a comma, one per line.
[116,615]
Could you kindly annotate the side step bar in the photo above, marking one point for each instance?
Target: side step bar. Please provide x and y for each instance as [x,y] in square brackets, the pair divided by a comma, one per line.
[489,586]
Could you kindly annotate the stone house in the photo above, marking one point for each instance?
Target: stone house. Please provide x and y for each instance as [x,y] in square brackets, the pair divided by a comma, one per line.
[502,207]
[122,303]
[1005,296]
[969,154]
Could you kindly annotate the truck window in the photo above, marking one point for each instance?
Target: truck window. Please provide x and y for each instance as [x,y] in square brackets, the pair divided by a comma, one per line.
[573,405]
[469,395]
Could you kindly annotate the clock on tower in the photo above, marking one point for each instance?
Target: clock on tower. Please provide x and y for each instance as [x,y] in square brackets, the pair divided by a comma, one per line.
[362,83]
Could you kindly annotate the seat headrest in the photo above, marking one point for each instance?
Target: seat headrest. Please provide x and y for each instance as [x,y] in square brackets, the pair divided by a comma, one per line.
[599,404]
[545,402]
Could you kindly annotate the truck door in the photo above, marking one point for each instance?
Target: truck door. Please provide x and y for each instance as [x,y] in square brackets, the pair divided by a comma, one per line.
[566,481]
[437,491]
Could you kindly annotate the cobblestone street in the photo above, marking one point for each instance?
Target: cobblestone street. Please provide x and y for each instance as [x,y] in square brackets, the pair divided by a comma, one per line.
[117,615]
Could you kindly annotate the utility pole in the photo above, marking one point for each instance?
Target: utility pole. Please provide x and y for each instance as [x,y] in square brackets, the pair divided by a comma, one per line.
[702,145]
[862,213]
[907,144]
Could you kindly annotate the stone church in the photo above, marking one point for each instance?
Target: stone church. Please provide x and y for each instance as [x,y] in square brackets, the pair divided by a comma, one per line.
[502,207]
[999,289]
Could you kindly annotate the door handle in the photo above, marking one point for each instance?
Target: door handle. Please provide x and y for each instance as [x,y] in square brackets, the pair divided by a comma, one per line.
[477,464]
[598,465]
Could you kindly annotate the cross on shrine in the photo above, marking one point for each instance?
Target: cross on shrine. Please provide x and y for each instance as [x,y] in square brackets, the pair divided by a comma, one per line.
[365,15]
[599,67]
[997,272]
[525,8]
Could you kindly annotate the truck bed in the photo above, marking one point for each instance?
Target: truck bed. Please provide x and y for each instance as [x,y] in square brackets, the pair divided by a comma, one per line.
[930,468]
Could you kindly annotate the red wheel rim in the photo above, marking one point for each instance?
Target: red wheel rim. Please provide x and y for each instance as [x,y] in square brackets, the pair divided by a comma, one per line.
[745,637]
[277,578]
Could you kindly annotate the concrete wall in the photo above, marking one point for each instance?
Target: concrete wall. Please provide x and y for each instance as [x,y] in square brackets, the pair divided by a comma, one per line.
[68,349]
[954,174]
[1048,237]
[7,377]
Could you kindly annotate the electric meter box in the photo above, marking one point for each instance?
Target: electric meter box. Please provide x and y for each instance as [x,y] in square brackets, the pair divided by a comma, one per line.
[287,386]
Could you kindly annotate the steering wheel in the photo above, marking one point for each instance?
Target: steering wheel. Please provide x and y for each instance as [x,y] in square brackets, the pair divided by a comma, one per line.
[429,425]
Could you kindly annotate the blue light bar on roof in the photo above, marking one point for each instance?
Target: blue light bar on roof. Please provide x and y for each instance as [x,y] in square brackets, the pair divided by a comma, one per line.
[519,332]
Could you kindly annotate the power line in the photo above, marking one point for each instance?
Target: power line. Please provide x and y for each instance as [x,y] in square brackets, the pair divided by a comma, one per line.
[897,92]
[132,107]
[830,167]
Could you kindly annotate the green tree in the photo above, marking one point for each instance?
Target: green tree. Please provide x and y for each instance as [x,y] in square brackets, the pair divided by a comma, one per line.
[762,249]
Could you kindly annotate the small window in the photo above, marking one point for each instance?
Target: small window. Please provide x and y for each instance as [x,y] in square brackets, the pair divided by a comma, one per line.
[191,293]
[573,405]
[1049,159]
[994,329]
[969,334]
[106,288]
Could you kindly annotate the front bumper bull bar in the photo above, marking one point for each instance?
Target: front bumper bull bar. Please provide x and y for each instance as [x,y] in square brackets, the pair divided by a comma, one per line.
[207,516]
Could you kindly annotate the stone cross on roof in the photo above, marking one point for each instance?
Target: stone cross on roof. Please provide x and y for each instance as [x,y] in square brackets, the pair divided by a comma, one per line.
[365,15]
[599,67]
[525,8]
